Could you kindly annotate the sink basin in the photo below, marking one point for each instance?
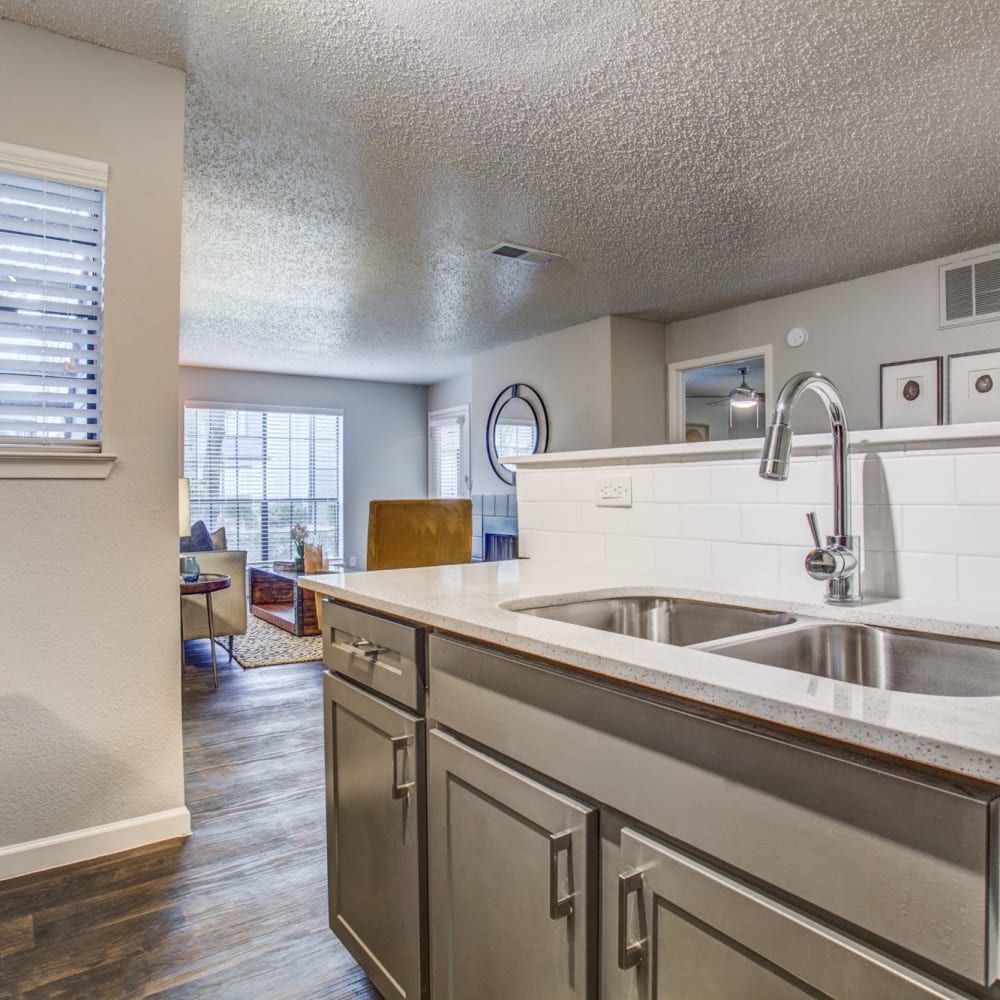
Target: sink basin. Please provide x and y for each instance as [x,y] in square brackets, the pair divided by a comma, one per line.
[878,658]
[671,620]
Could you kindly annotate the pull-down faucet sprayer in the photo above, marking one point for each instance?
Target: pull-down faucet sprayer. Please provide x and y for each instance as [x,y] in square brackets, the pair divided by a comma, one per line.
[837,561]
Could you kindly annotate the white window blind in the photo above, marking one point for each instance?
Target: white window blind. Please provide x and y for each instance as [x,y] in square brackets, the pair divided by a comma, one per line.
[448,453]
[51,309]
[258,472]
[516,437]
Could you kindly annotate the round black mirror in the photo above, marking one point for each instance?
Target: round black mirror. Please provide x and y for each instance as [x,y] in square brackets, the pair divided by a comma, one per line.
[517,425]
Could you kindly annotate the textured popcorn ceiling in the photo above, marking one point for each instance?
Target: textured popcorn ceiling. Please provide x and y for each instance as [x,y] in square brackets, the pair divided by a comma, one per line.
[347,160]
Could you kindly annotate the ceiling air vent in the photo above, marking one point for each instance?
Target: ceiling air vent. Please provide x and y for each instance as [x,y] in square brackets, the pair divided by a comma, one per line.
[526,255]
[970,291]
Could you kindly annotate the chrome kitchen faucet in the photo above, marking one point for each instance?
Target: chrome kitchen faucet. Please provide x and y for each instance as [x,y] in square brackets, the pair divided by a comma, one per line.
[837,562]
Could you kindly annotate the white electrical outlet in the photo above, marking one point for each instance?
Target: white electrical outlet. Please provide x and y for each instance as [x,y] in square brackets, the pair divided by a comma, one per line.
[614,491]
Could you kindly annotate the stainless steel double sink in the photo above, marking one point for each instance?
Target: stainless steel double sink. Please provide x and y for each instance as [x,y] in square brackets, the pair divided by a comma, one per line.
[872,656]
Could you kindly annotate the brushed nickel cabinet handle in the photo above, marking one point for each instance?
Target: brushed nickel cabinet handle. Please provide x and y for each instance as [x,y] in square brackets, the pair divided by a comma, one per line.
[400,789]
[560,843]
[629,954]
[368,648]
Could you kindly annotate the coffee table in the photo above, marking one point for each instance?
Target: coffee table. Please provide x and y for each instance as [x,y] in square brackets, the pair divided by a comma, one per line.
[276,597]
[207,584]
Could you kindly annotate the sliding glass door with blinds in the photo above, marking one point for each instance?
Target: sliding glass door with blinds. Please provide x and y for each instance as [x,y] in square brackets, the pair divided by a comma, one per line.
[51,300]
[258,471]
[448,453]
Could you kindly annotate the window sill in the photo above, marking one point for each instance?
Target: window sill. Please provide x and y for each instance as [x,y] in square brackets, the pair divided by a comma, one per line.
[55,465]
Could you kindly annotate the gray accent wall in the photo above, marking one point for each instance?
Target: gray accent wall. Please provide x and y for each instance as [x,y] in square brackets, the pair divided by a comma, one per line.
[385,432]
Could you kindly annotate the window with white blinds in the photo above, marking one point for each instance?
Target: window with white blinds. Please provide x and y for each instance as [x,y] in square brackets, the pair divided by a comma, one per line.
[448,452]
[258,471]
[51,305]
[515,436]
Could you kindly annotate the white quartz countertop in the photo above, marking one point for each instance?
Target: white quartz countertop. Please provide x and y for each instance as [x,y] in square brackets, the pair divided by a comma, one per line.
[953,733]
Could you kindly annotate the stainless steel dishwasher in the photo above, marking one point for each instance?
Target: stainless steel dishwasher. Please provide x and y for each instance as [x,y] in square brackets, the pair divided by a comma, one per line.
[374,693]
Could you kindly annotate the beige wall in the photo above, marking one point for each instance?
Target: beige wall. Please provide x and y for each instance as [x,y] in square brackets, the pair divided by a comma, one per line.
[90,725]
[570,369]
[638,383]
[854,326]
[602,383]
[385,432]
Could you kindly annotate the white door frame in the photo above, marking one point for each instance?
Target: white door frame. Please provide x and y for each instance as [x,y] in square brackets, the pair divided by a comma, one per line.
[676,408]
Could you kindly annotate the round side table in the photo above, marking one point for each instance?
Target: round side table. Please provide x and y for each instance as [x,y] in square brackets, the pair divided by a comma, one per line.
[207,584]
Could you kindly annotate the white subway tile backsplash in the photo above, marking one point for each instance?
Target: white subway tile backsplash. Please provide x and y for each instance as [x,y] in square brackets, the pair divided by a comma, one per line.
[578,486]
[880,528]
[561,516]
[967,531]
[682,483]
[529,514]
[978,478]
[737,560]
[585,549]
[540,545]
[927,577]
[782,524]
[631,552]
[605,520]
[978,579]
[918,479]
[642,484]
[682,555]
[810,481]
[539,484]
[714,522]
[739,482]
[929,520]
[659,520]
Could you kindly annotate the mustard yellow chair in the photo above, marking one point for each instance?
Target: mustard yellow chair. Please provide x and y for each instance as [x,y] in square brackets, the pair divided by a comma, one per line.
[403,533]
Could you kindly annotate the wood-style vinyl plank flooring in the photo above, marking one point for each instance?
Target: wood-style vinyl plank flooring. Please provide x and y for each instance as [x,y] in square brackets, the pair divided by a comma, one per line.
[235,912]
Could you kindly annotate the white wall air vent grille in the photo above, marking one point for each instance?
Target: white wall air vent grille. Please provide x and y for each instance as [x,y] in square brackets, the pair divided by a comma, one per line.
[523,255]
[970,291]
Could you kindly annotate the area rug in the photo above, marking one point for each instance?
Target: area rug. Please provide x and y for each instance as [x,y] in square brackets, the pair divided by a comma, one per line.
[264,645]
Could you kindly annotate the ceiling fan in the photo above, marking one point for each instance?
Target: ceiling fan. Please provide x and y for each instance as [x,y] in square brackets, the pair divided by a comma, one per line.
[743,397]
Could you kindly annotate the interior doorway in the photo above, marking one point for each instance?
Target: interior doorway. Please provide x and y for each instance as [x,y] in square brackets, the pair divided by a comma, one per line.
[721,397]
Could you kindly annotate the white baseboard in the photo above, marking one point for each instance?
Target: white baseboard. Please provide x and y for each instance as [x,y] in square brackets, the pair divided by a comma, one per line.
[93,842]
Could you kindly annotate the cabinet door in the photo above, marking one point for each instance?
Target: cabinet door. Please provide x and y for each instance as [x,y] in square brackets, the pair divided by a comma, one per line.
[374,795]
[512,882]
[684,931]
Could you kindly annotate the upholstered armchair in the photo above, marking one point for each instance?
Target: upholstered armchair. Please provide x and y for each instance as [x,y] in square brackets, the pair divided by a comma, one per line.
[229,606]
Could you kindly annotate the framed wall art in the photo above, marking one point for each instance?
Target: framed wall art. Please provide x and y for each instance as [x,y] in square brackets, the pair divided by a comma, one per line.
[974,387]
[910,393]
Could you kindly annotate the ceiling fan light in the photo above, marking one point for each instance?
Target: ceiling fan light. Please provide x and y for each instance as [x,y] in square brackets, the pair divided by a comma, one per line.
[743,396]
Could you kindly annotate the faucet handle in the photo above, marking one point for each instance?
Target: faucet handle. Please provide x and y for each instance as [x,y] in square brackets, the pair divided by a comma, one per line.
[814,528]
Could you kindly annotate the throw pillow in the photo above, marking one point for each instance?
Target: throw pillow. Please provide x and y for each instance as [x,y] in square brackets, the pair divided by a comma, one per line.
[199,540]
[219,538]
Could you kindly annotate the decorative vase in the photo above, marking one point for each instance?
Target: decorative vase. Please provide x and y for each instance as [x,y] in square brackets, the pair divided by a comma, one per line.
[190,570]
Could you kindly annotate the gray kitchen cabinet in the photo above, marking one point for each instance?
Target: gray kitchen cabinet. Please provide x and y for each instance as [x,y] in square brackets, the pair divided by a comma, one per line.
[769,867]
[375,836]
[675,928]
[512,876]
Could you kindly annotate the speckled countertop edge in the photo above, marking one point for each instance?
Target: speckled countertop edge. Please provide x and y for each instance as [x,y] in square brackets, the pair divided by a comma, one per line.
[478,601]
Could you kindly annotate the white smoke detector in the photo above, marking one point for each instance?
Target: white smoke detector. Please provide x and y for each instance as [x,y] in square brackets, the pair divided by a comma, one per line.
[525,255]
